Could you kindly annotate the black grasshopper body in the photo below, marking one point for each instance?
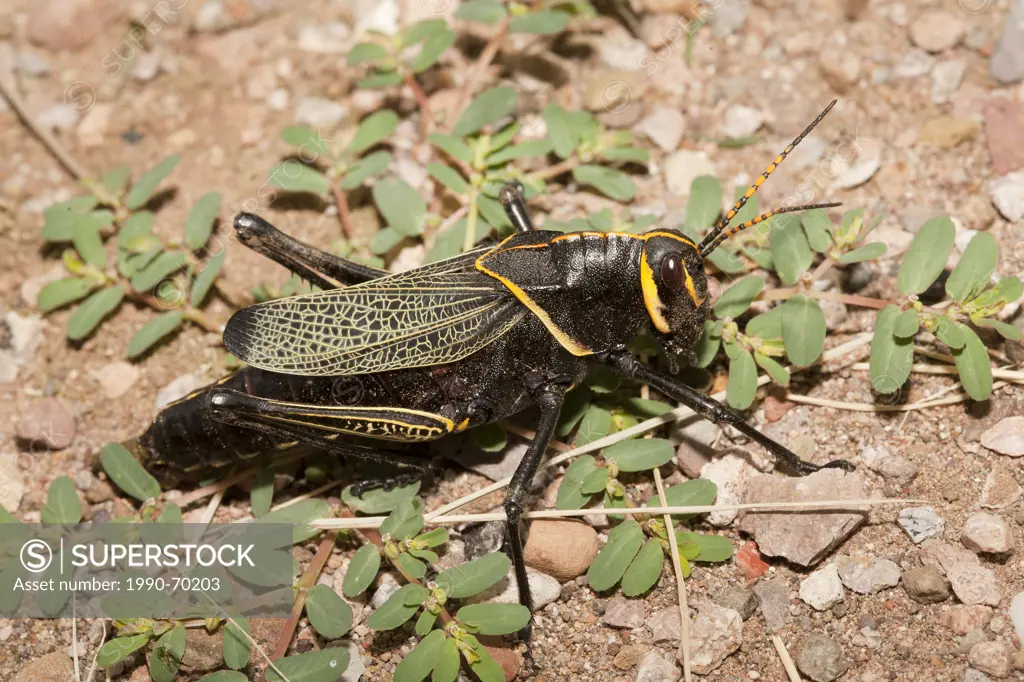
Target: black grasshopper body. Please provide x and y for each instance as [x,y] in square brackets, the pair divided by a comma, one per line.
[377,363]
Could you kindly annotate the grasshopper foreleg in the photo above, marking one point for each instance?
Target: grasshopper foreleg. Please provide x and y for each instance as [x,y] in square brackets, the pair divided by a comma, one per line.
[711,409]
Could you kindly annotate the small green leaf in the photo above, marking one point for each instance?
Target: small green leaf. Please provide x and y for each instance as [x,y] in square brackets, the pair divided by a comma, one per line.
[518,151]
[560,131]
[490,437]
[644,570]
[135,230]
[423,30]
[866,252]
[362,53]
[127,474]
[373,130]
[170,514]
[434,538]
[624,542]
[306,139]
[487,107]
[377,81]
[742,386]
[60,293]
[971,275]
[166,657]
[448,663]
[378,500]
[495,619]
[325,665]
[62,503]
[163,266]
[397,609]
[411,565]
[595,481]
[402,206]
[432,50]
[484,11]
[907,324]
[949,332]
[405,521]
[298,515]
[699,492]
[708,344]
[328,613]
[803,330]
[609,181]
[790,250]
[640,454]
[973,365]
[204,280]
[384,240]
[474,577]
[92,311]
[293,176]
[926,257]
[199,225]
[224,676]
[705,203]
[767,325]
[425,622]
[645,408]
[818,228]
[577,402]
[448,177]
[777,372]
[632,154]
[570,491]
[362,569]
[492,212]
[596,423]
[891,358]
[452,145]
[544,22]
[735,300]
[59,219]
[485,667]
[1008,331]
[116,649]
[115,179]
[86,239]
[154,330]
[418,663]
[369,166]
[142,191]
[712,547]
[235,645]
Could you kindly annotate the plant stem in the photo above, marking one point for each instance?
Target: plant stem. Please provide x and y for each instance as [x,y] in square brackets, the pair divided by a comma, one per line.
[556,170]
[851,299]
[343,214]
[191,314]
[823,267]
[470,238]
[306,583]
[10,91]
[426,117]
[479,69]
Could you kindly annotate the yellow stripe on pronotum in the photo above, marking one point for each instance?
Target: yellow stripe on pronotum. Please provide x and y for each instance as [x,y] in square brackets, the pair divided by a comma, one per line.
[651,299]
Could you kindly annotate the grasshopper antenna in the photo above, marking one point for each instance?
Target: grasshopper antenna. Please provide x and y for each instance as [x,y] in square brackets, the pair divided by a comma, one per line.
[511,198]
[719,234]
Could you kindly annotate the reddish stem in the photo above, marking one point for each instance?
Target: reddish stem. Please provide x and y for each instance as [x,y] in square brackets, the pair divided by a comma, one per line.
[343,215]
[426,118]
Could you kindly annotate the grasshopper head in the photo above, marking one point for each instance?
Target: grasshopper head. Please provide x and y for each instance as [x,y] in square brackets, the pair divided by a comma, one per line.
[675,291]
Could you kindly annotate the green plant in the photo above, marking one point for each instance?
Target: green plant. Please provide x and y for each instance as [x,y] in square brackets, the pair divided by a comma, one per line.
[173,277]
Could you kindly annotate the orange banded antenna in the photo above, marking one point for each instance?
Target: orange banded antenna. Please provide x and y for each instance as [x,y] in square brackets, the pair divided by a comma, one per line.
[718,233]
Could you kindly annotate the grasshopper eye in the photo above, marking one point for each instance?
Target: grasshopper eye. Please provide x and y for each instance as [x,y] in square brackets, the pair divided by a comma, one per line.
[672,271]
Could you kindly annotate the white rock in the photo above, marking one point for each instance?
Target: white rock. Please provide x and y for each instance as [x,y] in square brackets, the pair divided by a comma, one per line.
[1007,194]
[278,99]
[31,64]
[946,77]
[655,668]
[376,15]
[627,53]
[330,38]
[682,167]
[861,170]
[116,378]
[716,633]
[57,117]
[387,587]
[1017,615]
[179,388]
[889,466]
[92,131]
[822,589]
[867,574]
[1007,62]
[741,121]
[1006,437]
[1001,489]
[356,666]
[543,587]
[664,625]
[921,523]
[319,112]
[974,584]
[663,126]
[914,63]
[146,67]
[625,613]
[984,532]
[24,334]
[727,473]
[12,488]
